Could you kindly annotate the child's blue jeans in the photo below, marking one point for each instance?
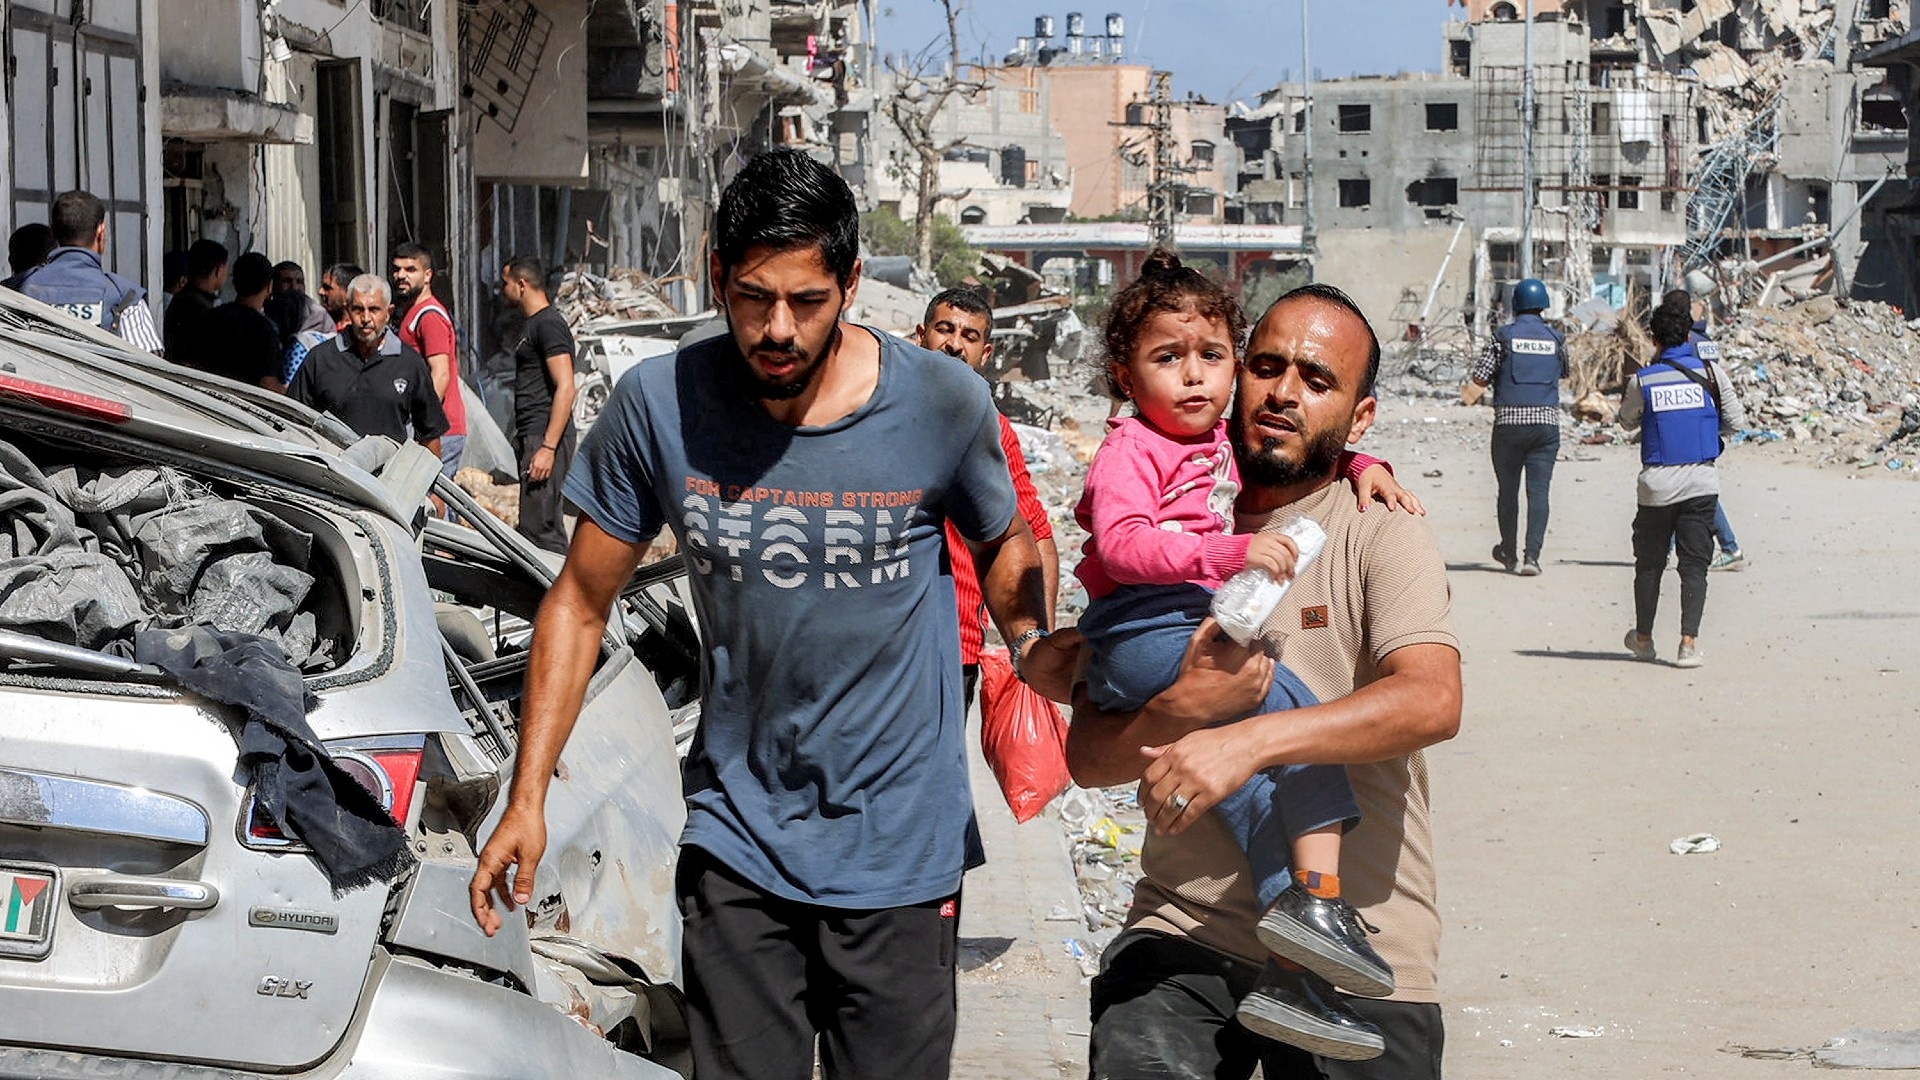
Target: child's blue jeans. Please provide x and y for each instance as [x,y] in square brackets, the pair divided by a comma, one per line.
[1138,635]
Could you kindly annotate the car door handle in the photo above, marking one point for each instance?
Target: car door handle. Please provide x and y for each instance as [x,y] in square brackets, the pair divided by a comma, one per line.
[112,890]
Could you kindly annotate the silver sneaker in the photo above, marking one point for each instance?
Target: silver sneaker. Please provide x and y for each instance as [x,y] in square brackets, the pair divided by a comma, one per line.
[1729,560]
[1688,656]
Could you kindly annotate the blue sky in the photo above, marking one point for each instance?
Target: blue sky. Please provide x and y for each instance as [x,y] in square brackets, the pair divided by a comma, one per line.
[1225,49]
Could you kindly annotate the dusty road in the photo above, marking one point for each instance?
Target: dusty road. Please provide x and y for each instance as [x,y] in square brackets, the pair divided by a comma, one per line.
[1575,767]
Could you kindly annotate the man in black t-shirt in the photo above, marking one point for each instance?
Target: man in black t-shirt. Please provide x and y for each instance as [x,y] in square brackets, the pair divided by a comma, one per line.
[364,376]
[542,402]
[238,339]
[206,276]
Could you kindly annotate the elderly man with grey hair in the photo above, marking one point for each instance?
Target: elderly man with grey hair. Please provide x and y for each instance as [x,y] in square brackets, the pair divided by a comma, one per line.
[367,378]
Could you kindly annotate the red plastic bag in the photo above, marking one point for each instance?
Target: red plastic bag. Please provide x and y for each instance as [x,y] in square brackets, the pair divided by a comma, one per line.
[1023,735]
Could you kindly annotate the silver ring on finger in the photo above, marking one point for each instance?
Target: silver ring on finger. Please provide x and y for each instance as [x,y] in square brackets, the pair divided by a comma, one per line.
[1179,803]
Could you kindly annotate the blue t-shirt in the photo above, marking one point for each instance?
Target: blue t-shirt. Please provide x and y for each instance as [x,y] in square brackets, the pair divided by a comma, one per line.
[830,764]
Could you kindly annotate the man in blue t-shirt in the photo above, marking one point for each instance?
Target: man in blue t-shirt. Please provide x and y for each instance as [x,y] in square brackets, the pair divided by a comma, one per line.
[808,468]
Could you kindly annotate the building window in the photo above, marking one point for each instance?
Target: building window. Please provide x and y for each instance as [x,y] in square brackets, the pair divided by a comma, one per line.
[1505,12]
[1880,112]
[1877,9]
[1356,193]
[1202,152]
[973,215]
[1460,52]
[1630,193]
[1356,118]
[1434,194]
[1443,116]
[1199,204]
[1603,191]
[1603,121]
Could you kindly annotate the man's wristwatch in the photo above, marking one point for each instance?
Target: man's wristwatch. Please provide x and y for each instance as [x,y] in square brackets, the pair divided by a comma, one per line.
[1017,647]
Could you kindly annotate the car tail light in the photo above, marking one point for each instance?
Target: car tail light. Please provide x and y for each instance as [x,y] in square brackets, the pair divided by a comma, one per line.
[386,767]
[63,399]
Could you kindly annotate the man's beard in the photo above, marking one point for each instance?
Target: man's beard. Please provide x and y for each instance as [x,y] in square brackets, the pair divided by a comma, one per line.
[773,390]
[1265,467]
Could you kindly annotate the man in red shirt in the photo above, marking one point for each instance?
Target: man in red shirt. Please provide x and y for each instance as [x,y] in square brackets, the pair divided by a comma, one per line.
[959,322]
[426,326]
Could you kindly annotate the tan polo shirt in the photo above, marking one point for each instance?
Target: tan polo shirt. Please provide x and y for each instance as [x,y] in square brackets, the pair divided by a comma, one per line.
[1379,585]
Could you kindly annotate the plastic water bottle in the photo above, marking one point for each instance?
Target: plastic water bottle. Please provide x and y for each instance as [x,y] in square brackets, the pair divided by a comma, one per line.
[1247,599]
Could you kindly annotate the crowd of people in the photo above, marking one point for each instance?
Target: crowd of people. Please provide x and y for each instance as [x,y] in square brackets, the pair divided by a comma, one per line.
[381,354]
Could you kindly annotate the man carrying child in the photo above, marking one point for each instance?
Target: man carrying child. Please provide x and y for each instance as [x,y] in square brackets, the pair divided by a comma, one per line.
[1366,627]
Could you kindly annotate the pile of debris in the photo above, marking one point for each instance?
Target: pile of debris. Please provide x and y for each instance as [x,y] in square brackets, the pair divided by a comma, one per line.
[622,295]
[1105,828]
[1836,375]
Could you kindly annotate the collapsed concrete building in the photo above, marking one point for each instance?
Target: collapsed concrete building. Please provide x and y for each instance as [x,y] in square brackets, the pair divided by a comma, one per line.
[1730,138]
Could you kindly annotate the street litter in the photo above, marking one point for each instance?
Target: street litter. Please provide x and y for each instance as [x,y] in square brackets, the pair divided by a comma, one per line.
[1859,1048]
[1577,1032]
[1695,844]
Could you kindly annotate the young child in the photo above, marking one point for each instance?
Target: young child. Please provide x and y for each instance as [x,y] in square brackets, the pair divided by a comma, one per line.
[1158,507]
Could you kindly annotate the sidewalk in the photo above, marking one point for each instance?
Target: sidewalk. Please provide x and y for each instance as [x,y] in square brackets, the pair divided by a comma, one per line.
[1023,1000]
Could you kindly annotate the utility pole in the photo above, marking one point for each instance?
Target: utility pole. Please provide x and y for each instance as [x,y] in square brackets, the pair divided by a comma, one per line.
[1527,178]
[1164,185]
[1307,237]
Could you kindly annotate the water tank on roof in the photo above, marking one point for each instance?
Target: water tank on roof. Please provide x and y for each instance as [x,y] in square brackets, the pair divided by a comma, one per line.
[1043,26]
[1116,26]
[1076,24]
[1013,166]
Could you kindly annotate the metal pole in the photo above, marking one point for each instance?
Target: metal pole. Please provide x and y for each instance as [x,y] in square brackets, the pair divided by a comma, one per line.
[1527,179]
[1306,90]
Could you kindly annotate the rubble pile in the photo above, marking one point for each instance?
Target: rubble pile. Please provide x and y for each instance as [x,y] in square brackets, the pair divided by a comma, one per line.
[620,296]
[500,500]
[1836,376]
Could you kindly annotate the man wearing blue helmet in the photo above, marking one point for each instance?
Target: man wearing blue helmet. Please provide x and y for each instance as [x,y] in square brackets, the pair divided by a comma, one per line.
[1524,363]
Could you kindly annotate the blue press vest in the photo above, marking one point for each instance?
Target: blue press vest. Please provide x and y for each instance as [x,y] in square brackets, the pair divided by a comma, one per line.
[1530,363]
[1680,425]
[73,280]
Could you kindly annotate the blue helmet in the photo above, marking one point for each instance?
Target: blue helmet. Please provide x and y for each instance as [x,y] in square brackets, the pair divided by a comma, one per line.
[1530,295]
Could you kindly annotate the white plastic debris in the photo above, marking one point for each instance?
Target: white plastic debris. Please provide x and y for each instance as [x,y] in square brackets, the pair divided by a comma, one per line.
[1577,1032]
[1695,844]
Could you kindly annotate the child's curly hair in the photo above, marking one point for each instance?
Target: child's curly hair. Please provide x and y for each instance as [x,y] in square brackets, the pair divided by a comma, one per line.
[1164,284]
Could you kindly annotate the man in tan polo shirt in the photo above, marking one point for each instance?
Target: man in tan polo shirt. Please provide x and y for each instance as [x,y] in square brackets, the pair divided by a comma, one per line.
[1367,627]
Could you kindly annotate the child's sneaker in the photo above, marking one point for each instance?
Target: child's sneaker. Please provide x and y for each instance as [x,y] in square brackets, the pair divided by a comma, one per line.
[1327,937]
[1729,560]
[1298,1008]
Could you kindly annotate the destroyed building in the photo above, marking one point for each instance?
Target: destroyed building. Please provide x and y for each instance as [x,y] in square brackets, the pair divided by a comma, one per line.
[1003,160]
[1671,136]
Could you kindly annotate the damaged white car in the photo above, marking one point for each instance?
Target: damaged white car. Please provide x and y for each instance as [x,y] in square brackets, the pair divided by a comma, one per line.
[257,713]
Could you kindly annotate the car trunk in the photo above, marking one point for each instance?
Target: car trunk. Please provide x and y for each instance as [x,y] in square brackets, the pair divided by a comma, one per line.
[138,914]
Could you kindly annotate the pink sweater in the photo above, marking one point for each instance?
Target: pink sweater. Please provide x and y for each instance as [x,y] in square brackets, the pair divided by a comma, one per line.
[1159,510]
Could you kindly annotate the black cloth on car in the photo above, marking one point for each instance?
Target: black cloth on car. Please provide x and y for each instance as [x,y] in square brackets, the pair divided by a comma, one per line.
[298,785]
